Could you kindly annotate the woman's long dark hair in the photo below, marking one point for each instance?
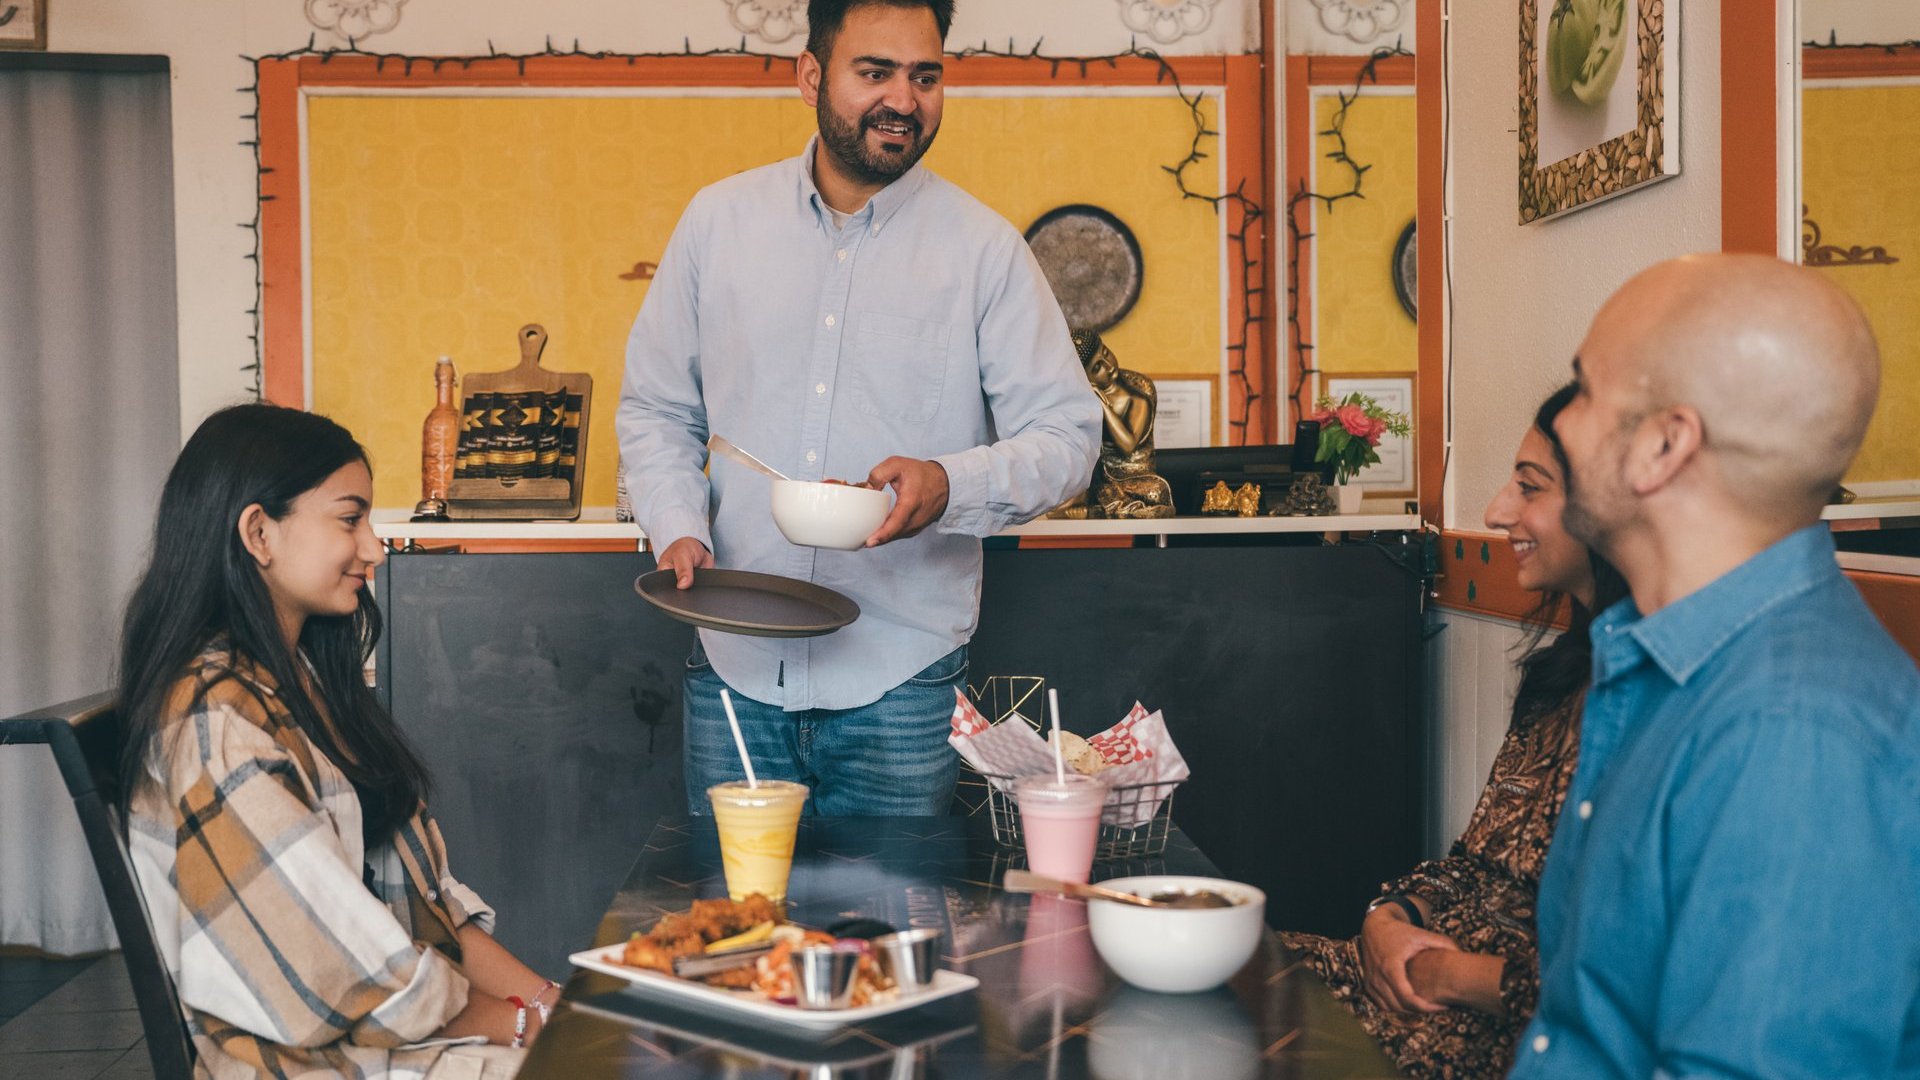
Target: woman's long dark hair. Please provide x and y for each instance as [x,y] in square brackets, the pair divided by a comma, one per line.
[1552,673]
[202,585]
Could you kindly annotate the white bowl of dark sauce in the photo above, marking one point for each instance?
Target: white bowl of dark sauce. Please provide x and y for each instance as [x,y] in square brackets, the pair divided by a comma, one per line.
[1207,930]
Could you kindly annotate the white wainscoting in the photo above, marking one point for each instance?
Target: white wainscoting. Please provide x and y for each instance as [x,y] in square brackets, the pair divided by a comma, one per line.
[1471,679]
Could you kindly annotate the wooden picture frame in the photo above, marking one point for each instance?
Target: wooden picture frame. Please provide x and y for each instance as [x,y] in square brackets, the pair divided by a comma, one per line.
[23,25]
[1398,473]
[1602,136]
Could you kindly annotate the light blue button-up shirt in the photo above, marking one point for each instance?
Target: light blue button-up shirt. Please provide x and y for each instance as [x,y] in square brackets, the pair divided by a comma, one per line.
[922,327]
[1734,885]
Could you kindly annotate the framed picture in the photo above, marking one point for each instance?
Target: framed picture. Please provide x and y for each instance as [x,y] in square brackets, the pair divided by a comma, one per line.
[1599,102]
[1185,414]
[1394,475]
[23,24]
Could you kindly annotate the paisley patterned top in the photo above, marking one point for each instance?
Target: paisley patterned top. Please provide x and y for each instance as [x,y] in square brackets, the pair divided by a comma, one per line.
[1482,896]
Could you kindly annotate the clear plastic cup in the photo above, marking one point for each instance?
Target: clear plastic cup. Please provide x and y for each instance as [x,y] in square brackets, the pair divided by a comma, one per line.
[757,826]
[1061,823]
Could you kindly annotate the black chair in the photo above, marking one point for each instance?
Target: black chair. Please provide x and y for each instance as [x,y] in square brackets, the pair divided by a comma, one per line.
[85,737]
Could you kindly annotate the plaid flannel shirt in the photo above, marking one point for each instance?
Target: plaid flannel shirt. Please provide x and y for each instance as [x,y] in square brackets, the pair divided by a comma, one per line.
[291,958]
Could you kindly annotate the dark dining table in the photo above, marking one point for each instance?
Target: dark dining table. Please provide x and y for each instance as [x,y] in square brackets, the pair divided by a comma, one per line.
[1046,1006]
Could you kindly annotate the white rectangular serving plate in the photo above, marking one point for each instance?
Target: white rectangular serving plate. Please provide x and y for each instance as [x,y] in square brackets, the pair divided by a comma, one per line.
[746,1003]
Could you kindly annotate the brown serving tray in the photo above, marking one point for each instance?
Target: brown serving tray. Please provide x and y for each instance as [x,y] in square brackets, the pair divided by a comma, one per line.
[744,602]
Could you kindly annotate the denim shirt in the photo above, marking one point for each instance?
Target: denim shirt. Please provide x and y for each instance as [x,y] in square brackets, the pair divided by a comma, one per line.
[1734,886]
[921,327]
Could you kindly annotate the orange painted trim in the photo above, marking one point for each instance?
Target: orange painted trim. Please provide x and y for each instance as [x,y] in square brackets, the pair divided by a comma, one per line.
[1302,138]
[1430,404]
[1343,70]
[281,81]
[1749,128]
[1273,356]
[1478,574]
[282,284]
[1860,62]
[1246,119]
[1078,543]
[1895,598]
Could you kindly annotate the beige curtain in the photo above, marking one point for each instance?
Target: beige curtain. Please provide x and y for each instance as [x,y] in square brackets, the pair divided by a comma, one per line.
[89,422]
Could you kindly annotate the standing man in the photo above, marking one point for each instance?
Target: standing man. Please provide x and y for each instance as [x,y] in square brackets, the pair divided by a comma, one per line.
[1731,887]
[848,314]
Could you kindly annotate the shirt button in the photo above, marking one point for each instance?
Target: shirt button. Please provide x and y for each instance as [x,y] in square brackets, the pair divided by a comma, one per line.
[810,457]
[1586,809]
[1539,1044]
[876,230]
[819,388]
[433,895]
[842,253]
[829,320]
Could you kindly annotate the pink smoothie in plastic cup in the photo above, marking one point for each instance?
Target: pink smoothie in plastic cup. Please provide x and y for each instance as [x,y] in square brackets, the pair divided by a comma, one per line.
[1061,822]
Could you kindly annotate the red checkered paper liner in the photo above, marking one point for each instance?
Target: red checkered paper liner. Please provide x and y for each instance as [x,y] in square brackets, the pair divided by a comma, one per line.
[1138,750]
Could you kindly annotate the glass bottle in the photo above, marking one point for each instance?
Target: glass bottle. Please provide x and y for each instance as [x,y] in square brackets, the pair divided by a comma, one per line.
[439,444]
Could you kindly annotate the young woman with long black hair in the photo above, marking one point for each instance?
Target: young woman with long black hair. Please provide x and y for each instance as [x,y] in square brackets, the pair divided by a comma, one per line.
[1445,971]
[276,813]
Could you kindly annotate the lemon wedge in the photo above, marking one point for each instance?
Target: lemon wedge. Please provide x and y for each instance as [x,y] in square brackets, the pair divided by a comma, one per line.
[753,935]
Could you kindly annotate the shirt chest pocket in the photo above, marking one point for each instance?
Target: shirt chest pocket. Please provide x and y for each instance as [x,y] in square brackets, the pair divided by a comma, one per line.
[899,366]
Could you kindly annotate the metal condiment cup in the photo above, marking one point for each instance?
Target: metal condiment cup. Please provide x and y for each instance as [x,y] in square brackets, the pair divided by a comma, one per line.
[823,976]
[910,957]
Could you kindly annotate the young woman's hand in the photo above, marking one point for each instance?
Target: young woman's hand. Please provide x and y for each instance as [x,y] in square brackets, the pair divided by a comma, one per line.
[1388,942]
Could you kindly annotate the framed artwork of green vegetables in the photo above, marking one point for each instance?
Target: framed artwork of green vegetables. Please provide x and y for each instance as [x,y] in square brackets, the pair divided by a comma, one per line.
[1594,79]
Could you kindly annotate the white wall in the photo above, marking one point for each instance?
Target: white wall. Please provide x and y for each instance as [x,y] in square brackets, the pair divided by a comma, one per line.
[1859,21]
[214,173]
[1471,679]
[1523,294]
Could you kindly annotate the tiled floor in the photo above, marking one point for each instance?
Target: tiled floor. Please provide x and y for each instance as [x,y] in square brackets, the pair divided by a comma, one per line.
[69,1020]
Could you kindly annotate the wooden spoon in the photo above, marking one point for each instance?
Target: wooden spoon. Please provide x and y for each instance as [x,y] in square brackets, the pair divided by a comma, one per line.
[1026,881]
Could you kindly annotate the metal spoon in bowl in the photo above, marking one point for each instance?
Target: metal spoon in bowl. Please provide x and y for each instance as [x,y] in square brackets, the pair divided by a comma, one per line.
[723,446]
[1026,881]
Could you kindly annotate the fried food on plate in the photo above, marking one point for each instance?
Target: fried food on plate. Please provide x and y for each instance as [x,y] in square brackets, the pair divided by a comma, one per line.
[688,933]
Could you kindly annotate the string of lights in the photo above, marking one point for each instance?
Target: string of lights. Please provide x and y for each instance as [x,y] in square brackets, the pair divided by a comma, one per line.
[1297,235]
[1242,231]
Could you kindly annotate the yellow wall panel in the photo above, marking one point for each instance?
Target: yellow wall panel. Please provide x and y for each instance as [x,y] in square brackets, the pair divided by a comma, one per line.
[1860,180]
[440,225]
[1361,326]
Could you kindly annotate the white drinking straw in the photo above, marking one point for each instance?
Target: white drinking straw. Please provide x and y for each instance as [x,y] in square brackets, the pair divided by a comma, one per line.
[1059,762]
[739,743]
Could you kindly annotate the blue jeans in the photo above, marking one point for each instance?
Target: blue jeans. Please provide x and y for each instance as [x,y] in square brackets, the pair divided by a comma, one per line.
[887,759]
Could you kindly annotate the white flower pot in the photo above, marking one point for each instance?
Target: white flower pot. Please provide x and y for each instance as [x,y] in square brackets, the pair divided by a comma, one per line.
[1347,497]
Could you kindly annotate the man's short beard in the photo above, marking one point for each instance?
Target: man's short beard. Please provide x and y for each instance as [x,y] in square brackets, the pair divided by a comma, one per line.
[848,144]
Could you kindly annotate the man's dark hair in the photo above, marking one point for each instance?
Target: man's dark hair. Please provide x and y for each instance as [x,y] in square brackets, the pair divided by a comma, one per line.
[825,17]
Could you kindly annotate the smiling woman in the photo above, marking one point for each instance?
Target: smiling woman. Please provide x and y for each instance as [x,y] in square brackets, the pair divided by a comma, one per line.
[275,813]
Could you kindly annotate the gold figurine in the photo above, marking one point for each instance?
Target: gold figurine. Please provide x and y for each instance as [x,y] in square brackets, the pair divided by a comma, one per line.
[1126,485]
[1218,499]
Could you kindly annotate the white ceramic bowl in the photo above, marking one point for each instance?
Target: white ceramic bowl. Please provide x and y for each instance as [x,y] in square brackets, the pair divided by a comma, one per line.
[827,515]
[1177,950]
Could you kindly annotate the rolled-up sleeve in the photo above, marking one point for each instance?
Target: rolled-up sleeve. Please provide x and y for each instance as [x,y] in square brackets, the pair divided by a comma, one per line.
[662,419]
[1773,969]
[279,935]
[1045,417]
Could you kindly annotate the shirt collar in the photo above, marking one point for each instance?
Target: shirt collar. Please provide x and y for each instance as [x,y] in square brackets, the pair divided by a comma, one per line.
[879,210]
[1687,633]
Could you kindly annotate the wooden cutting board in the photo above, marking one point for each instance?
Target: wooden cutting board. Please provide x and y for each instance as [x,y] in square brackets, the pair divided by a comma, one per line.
[523,440]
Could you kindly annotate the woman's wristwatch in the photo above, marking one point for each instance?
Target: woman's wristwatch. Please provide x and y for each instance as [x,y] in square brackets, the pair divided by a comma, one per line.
[1411,909]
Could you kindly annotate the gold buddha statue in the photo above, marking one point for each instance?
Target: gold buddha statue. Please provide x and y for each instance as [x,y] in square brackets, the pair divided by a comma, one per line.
[1125,485]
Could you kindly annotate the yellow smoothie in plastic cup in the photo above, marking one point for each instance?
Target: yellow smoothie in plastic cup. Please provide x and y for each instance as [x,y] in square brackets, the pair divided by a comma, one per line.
[757,827]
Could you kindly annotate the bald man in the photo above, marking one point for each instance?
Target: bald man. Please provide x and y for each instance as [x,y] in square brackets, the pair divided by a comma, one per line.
[1734,886]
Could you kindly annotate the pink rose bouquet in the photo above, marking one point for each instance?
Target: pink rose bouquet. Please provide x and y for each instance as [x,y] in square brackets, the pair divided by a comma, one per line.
[1350,429]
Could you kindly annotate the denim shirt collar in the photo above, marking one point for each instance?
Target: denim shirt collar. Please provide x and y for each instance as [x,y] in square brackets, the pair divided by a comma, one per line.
[879,209]
[1683,636]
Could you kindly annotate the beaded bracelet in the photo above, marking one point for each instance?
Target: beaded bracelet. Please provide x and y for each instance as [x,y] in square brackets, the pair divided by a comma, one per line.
[545,1010]
[519,1021]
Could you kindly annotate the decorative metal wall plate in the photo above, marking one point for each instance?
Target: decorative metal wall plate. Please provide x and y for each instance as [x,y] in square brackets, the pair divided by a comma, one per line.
[1406,270]
[1091,260]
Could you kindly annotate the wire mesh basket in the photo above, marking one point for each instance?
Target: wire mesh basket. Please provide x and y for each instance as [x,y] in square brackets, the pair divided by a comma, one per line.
[1125,803]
